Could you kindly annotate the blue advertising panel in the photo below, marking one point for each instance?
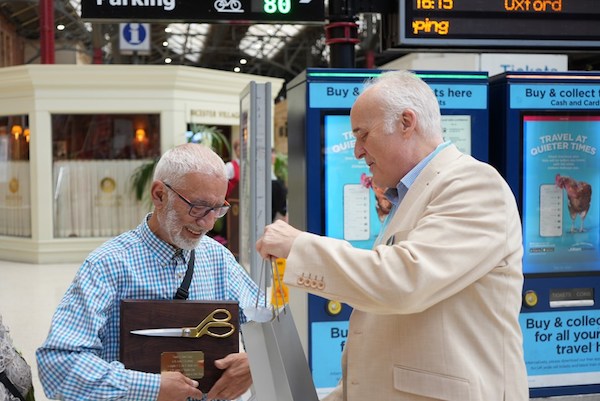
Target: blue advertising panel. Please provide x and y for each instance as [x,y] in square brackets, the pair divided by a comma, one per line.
[561,220]
[562,347]
[341,200]
[545,141]
[348,198]
[560,322]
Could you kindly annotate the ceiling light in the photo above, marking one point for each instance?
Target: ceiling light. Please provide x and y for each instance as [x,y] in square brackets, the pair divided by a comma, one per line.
[237,69]
[168,60]
[165,43]
[60,27]
[243,61]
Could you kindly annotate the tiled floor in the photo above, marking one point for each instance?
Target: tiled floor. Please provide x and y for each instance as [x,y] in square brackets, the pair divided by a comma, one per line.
[28,296]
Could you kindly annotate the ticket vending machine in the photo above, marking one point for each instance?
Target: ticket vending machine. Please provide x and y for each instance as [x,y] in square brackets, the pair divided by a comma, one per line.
[329,190]
[545,139]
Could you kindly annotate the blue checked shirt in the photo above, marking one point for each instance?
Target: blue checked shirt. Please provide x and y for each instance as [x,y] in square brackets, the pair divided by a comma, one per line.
[79,359]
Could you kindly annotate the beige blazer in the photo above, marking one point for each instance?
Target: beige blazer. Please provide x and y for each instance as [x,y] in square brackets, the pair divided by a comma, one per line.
[436,305]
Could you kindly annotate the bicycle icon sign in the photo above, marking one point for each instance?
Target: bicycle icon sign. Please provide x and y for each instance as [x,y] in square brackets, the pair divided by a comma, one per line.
[228,6]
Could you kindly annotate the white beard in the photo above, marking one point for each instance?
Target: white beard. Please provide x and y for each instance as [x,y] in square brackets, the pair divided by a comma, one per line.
[173,229]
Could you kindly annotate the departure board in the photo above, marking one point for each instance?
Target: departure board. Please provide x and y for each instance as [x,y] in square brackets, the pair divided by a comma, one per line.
[500,23]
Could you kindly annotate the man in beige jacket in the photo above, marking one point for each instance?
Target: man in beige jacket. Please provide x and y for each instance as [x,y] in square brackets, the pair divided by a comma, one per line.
[436,302]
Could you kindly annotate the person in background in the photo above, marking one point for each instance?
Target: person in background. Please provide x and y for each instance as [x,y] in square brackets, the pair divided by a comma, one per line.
[278,193]
[15,372]
[233,168]
[79,358]
[437,300]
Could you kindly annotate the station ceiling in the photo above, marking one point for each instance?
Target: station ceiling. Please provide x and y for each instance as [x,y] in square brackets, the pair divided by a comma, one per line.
[278,50]
[275,50]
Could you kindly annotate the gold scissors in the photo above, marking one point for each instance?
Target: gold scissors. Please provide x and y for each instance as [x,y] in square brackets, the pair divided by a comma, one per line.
[204,328]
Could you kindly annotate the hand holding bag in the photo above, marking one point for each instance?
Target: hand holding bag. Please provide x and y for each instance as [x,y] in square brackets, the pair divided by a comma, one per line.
[278,365]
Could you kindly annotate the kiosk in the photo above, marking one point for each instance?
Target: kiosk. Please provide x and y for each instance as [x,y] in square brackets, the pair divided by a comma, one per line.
[330,191]
[545,140]
[72,136]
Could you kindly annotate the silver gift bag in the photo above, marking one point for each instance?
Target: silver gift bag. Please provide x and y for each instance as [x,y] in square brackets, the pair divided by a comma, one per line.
[278,365]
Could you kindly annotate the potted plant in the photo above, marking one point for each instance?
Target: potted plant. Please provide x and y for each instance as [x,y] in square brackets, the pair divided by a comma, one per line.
[281,167]
[198,133]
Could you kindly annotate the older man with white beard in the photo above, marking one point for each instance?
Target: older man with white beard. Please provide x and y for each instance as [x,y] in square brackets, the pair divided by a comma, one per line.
[79,359]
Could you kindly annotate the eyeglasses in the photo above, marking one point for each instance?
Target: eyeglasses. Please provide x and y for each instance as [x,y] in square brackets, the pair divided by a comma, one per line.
[200,211]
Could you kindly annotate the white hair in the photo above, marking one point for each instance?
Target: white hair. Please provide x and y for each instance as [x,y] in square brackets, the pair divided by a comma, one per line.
[401,90]
[189,158]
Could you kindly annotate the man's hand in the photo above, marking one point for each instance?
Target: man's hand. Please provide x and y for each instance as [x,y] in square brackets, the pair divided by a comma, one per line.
[174,386]
[236,378]
[277,240]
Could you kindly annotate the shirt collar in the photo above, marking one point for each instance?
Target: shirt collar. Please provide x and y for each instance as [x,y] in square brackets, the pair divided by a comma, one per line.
[395,195]
[161,249]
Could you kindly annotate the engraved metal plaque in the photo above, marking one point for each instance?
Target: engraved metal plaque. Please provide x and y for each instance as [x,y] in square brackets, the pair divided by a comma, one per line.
[190,363]
[144,353]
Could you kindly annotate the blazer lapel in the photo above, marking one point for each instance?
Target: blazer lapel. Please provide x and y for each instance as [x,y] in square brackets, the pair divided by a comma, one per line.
[402,218]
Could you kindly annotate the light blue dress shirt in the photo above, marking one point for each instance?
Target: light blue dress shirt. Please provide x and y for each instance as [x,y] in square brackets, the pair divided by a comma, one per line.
[395,195]
[79,359]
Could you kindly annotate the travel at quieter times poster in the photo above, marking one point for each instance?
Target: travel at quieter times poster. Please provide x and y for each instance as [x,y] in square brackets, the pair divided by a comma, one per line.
[561,182]
[351,202]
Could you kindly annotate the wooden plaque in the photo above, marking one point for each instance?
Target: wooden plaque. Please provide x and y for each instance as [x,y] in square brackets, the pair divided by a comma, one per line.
[144,353]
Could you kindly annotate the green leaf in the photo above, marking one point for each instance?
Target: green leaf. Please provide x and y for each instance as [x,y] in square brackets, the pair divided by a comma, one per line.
[212,137]
[281,167]
[141,180]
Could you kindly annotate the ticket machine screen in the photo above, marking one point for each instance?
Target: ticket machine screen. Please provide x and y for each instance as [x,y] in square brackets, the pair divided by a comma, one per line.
[561,192]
